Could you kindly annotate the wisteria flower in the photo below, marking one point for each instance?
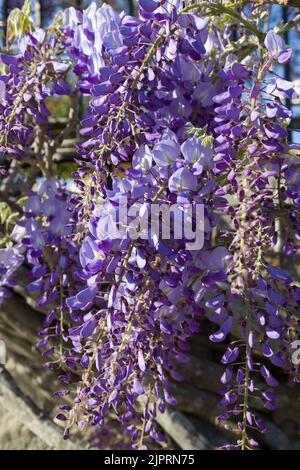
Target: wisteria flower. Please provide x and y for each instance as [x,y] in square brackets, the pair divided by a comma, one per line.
[183,180]
[277,48]
[83,299]
[104,225]
[167,150]
[91,257]
[282,89]
[142,159]
[200,156]
[149,5]
[10,260]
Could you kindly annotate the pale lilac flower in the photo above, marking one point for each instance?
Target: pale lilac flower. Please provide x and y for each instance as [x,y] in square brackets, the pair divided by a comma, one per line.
[277,48]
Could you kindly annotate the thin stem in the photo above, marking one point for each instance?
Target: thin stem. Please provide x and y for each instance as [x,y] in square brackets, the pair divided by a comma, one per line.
[149,56]
[215,8]
[247,371]
[61,319]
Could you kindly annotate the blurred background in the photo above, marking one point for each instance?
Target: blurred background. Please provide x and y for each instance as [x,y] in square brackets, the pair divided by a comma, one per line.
[43,11]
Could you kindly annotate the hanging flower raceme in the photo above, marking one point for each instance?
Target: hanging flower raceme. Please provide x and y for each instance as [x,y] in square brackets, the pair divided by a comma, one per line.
[33,75]
[251,150]
[149,324]
[115,326]
[45,234]
[144,83]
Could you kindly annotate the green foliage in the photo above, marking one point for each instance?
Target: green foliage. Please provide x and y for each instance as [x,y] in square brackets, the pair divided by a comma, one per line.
[4,212]
[200,132]
[65,169]
[18,22]
[55,26]
[7,222]
[22,200]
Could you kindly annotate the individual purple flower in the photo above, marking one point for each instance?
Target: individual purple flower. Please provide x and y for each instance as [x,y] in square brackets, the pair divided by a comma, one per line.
[216,301]
[197,154]
[237,71]
[83,299]
[277,48]
[230,355]
[142,159]
[221,334]
[167,150]
[70,17]
[149,5]
[226,376]
[36,37]
[91,256]
[10,260]
[183,180]
[32,205]
[278,274]
[103,226]
[59,224]
[34,232]
[88,328]
[282,89]
[270,380]
[214,260]
[61,87]
[95,62]
[197,49]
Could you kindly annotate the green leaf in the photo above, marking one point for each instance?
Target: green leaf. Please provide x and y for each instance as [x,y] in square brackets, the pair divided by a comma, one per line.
[12,25]
[26,8]
[22,200]
[207,140]
[65,169]
[18,22]
[4,214]
[196,131]
[55,26]
[12,218]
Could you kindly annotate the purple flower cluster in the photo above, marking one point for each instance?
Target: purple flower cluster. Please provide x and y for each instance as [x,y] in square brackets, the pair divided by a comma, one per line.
[148,82]
[33,75]
[147,79]
[45,233]
[140,301]
[10,260]
[251,151]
